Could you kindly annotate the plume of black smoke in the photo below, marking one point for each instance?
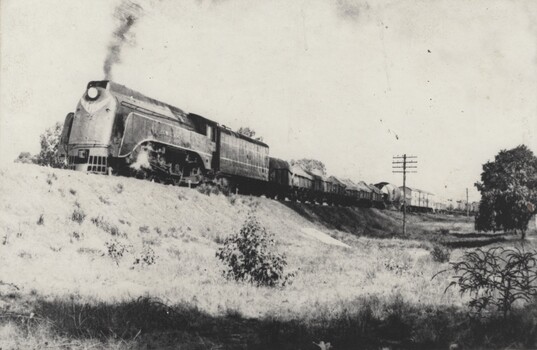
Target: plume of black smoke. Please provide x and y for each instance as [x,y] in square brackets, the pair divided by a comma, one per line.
[127,13]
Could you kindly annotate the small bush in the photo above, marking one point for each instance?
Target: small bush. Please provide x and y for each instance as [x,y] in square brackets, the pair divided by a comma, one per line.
[249,256]
[440,254]
[496,278]
[104,200]
[41,219]
[78,215]
[116,250]
[144,229]
[72,191]
[146,258]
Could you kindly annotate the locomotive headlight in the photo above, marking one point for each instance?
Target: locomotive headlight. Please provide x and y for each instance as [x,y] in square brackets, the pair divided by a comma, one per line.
[93,93]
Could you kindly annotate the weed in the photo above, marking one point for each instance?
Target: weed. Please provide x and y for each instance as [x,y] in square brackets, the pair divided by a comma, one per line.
[157,230]
[104,200]
[496,278]
[78,215]
[119,187]
[146,258]
[116,250]
[397,267]
[249,256]
[72,191]
[76,235]
[41,220]
[232,199]
[144,229]
[208,189]
[25,255]
[440,253]
[51,177]
[5,240]
[104,225]
[124,222]
[92,251]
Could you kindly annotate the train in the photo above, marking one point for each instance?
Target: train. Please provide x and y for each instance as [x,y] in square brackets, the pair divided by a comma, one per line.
[116,130]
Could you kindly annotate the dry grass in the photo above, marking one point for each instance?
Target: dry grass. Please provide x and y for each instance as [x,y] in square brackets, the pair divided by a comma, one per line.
[183,228]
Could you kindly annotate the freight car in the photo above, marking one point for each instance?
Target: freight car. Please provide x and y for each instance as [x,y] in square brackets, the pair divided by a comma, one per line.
[417,200]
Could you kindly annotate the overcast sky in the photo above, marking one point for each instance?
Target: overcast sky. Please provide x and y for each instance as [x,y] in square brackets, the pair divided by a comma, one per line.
[350,83]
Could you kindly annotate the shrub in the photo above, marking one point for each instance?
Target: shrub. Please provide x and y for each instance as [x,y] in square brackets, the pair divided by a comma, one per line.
[250,256]
[78,215]
[41,220]
[146,258]
[496,278]
[440,254]
[116,250]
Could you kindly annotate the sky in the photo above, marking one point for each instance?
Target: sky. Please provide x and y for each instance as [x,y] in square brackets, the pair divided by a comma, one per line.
[350,83]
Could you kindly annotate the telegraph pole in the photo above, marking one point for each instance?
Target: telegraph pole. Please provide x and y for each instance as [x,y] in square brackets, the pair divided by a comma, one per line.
[400,165]
[467,204]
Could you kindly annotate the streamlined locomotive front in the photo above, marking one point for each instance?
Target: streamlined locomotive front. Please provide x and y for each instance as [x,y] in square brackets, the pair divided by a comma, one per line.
[87,132]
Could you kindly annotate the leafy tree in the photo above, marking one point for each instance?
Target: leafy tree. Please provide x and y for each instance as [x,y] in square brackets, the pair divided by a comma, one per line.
[26,158]
[508,191]
[311,165]
[50,139]
[246,131]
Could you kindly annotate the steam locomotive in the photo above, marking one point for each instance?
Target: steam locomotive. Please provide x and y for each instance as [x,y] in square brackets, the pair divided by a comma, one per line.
[116,130]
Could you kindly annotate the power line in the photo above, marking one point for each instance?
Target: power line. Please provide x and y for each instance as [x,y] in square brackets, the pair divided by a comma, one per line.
[400,165]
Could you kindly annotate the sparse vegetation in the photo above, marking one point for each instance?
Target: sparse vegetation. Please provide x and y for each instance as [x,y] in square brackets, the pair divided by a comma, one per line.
[78,215]
[147,257]
[104,225]
[116,250]
[440,253]
[250,256]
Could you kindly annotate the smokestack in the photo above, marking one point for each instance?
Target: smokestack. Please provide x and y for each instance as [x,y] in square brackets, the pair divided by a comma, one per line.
[127,14]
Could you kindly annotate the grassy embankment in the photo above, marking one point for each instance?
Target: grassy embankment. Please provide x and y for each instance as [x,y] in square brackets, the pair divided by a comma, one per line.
[67,280]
